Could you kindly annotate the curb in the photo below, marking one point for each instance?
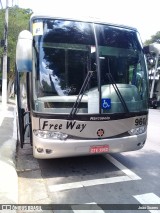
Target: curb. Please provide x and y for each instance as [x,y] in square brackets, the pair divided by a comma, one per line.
[8,143]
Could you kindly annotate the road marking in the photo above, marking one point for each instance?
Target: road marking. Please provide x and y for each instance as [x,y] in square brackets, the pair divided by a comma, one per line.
[123,168]
[96,209]
[129,176]
[80,184]
[149,198]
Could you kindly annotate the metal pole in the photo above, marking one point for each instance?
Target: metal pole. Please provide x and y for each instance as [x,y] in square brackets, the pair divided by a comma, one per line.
[1,4]
[4,77]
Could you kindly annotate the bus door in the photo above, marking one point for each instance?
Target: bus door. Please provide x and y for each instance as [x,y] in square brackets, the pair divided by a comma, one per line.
[23,110]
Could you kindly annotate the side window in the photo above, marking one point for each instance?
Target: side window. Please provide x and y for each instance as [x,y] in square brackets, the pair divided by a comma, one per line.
[136,77]
[131,70]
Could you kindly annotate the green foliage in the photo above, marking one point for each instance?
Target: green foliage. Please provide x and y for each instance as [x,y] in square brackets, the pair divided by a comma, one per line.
[151,56]
[154,38]
[18,20]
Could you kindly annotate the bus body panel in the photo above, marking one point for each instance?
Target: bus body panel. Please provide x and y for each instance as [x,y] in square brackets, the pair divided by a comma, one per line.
[115,137]
[88,129]
[72,148]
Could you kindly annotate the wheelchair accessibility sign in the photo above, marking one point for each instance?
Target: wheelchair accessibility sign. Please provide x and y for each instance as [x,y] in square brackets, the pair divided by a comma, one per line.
[106,103]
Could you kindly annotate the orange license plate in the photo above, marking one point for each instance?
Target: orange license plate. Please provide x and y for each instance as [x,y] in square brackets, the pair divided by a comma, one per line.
[99,149]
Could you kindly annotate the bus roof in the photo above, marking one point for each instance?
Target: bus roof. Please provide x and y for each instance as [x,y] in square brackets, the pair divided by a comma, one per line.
[80,18]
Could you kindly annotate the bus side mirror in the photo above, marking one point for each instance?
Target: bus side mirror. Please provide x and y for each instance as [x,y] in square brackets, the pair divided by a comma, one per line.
[24,52]
[146,50]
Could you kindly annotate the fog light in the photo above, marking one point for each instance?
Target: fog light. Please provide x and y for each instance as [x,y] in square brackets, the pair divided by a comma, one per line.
[40,150]
[140,144]
[48,151]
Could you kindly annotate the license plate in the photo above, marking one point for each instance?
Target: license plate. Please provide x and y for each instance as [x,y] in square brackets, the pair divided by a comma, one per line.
[99,149]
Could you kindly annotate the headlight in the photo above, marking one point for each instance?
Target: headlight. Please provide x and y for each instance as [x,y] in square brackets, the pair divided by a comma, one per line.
[138,130]
[50,135]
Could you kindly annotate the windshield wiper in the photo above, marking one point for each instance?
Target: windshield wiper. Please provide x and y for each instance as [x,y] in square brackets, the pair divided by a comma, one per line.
[81,93]
[109,75]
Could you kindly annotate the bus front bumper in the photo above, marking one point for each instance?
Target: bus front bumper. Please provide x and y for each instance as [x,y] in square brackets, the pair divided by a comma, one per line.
[49,148]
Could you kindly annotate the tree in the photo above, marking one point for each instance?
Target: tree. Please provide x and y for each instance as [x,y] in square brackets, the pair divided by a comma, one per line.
[18,21]
[151,60]
[151,57]
[154,38]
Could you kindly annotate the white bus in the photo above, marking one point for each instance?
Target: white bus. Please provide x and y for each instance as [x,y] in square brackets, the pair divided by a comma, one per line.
[87,87]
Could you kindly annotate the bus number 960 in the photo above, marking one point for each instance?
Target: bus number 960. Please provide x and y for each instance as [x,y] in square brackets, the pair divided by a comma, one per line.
[140,121]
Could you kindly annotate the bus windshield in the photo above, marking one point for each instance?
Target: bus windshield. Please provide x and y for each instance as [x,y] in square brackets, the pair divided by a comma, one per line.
[66,51]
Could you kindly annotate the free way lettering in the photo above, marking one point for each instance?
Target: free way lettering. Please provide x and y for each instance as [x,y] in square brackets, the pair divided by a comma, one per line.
[69,125]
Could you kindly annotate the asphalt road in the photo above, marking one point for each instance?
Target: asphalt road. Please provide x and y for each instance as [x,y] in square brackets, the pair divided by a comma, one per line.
[125,178]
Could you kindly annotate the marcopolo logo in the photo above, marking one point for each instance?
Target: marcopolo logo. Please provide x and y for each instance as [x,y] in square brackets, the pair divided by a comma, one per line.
[100,132]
